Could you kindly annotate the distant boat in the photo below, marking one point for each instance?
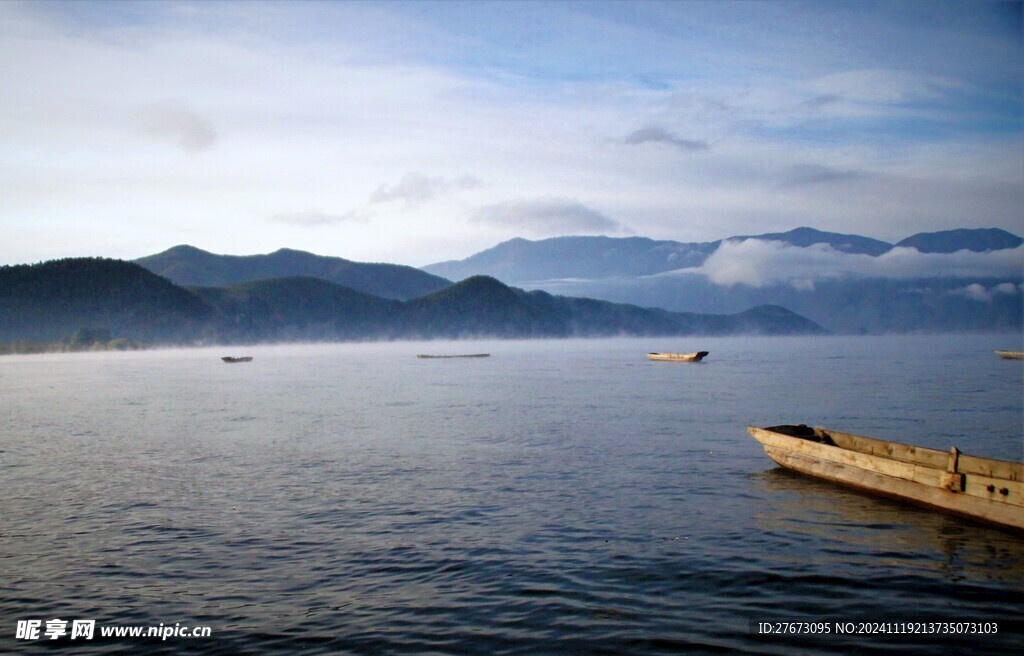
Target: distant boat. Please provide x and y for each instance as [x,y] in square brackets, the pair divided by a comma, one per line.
[229,359]
[467,355]
[1011,355]
[981,488]
[679,357]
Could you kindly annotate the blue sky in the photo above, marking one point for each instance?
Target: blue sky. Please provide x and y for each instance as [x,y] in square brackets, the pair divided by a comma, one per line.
[419,132]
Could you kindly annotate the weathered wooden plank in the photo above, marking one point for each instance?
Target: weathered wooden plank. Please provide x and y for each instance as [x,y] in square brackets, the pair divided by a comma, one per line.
[1013,471]
[993,489]
[850,458]
[1010,471]
[880,484]
[895,450]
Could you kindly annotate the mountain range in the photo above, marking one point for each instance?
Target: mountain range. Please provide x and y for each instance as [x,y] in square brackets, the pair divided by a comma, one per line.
[954,280]
[520,260]
[54,301]
[190,266]
[804,281]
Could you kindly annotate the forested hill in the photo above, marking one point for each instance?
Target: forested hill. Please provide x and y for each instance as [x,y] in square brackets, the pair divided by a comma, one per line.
[481,305]
[298,309]
[47,302]
[51,302]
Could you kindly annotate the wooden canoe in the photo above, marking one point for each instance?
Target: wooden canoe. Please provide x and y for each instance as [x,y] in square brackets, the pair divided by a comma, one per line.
[679,357]
[231,360]
[981,488]
[1011,355]
[467,355]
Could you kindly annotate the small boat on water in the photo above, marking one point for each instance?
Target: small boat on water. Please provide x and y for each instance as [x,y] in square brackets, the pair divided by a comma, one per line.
[1011,355]
[981,488]
[679,357]
[229,359]
[467,355]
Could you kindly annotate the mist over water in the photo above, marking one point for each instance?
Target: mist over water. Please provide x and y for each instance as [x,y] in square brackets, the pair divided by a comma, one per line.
[556,497]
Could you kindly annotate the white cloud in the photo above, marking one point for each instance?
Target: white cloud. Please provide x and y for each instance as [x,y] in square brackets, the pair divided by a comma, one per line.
[981,293]
[187,129]
[813,174]
[883,86]
[314,218]
[760,263]
[548,217]
[658,135]
[416,188]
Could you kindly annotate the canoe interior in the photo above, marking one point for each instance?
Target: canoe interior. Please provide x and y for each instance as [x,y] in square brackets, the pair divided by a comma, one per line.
[916,455]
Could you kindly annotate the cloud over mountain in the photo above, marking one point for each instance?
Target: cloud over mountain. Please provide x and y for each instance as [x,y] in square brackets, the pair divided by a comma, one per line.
[982,294]
[761,263]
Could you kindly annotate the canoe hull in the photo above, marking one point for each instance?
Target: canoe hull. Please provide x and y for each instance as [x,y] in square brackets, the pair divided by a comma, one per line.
[426,356]
[980,488]
[678,357]
[1011,355]
[232,360]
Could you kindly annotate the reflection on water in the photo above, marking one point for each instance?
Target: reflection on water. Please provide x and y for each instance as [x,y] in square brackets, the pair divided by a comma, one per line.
[857,526]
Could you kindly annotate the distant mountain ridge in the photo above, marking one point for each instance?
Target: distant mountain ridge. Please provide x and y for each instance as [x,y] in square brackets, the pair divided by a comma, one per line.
[520,261]
[51,301]
[978,240]
[575,257]
[667,274]
[188,265]
[804,237]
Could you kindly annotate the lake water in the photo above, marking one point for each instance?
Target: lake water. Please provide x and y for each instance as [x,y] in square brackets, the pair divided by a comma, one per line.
[557,497]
